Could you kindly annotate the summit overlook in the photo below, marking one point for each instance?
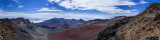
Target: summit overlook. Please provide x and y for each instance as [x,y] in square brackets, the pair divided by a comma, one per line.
[79,20]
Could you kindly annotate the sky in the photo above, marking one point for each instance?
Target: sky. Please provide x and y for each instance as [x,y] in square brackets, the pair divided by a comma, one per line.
[40,10]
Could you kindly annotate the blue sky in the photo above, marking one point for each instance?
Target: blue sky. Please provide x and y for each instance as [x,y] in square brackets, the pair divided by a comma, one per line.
[40,10]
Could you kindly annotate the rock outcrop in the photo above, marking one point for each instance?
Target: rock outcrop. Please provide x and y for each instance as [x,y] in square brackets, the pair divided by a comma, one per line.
[7,32]
[144,26]
[19,29]
[10,29]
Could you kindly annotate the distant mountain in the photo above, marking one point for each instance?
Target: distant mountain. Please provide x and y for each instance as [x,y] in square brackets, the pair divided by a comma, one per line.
[71,23]
[60,22]
[144,26]
[56,25]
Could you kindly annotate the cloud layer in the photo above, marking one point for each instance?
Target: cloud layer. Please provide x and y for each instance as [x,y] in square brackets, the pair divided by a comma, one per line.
[39,17]
[143,2]
[108,6]
[48,9]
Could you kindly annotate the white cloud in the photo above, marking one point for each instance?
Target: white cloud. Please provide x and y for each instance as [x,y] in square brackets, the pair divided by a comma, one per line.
[47,4]
[1,11]
[54,0]
[108,6]
[52,3]
[20,6]
[17,1]
[48,9]
[143,2]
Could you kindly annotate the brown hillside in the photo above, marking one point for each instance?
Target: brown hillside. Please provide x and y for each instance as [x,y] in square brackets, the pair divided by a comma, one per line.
[80,33]
[144,26]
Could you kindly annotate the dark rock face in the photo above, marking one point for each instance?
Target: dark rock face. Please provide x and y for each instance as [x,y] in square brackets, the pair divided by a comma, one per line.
[9,31]
[111,30]
[144,26]
[152,38]
[19,29]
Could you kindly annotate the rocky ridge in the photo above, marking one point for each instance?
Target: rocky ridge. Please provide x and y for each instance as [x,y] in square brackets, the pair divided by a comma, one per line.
[144,26]
[19,29]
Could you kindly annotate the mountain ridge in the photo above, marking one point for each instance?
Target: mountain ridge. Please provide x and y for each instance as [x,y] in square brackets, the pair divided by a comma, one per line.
[23,28]
[144,26]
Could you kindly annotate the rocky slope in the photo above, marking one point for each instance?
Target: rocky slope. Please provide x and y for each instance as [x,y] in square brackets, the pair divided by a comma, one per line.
[7,32]
[144,26]
[19,29]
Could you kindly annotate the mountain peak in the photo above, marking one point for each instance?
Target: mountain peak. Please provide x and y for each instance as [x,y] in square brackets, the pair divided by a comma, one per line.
[151,11]
[154,5]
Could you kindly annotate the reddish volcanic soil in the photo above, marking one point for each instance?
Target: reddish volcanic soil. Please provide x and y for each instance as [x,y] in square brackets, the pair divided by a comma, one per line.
[89,32]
